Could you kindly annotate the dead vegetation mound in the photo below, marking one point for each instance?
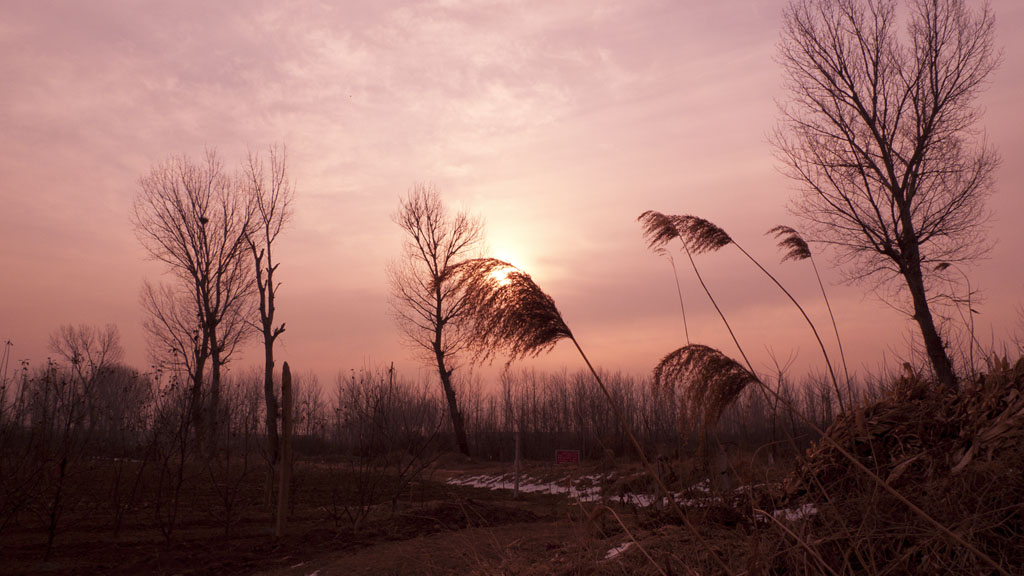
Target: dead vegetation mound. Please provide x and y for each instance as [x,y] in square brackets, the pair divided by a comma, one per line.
[957,455]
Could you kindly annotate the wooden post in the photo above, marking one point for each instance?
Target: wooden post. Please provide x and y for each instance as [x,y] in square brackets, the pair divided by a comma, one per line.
[285,461]
[515,490]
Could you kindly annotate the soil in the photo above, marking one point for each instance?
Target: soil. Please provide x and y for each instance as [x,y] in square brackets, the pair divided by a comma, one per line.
[436,529]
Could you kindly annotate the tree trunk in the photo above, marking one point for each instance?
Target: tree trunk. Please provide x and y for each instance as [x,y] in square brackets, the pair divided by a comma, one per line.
[271,418]
[517,466]
[286,450]
[197,400]
[458,423]
[932,341]
[212,423]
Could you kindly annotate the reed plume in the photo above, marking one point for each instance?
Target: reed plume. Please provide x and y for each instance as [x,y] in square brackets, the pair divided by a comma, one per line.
[697,234]
[701,235]
[506,309]
[710,380]
[795,248]
[791,243]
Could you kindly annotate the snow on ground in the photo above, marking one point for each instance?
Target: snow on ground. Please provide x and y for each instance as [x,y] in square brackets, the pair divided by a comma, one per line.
[614,552]
[797,513]
[583,488]
[588,489]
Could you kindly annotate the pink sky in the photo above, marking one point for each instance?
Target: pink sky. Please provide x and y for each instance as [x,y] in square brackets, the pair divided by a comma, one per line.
[557,122]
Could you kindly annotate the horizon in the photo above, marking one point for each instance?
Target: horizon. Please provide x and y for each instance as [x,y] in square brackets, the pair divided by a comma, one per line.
[557,126]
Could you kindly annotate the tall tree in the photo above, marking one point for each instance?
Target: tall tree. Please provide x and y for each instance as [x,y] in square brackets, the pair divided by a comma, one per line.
[424,300]
[271,197]
[192,217]
[879,130]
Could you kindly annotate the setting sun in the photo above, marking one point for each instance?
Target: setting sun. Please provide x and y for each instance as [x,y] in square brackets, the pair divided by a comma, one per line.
[514,257]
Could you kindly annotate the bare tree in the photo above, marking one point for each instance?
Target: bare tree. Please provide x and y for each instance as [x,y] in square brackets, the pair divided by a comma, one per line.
[91,355]
[879,129]
[190,216]
[271,197]
[424,300]
[87,349]
[177,341]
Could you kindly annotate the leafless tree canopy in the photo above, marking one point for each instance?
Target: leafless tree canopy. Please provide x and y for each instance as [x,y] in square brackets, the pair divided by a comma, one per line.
[87,349]
[172,327]
[270,193]
[879,129]
[192,217]
[425,301]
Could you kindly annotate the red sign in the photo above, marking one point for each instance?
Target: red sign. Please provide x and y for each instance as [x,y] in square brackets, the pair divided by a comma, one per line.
[567,456]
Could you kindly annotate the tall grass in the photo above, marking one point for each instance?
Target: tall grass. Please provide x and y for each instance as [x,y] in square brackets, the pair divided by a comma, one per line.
[508,312]
[796,248]
[699,235]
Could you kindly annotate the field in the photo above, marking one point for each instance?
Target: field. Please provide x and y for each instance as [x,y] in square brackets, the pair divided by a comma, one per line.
[438,526]
[910,479]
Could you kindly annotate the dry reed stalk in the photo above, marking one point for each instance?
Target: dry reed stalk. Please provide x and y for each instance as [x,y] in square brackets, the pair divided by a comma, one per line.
[634,540]
[660,229]
[800,541]
[699,235]
[679,291]
[796,248]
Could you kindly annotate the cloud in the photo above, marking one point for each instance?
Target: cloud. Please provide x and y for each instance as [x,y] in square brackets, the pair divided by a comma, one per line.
[557,122]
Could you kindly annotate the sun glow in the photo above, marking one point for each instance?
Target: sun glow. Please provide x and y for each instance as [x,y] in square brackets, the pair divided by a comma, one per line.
[514,257]
[515,261]
[501,276]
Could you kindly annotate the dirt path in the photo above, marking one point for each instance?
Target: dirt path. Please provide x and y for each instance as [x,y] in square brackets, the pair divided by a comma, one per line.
[530,548]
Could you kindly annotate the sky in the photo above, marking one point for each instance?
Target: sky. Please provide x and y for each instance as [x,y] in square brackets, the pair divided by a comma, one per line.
[557,123]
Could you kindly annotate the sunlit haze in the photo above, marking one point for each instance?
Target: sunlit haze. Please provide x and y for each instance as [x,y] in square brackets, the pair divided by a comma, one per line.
[557,123]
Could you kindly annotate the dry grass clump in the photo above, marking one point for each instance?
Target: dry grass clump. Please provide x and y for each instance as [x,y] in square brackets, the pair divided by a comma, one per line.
[956,455]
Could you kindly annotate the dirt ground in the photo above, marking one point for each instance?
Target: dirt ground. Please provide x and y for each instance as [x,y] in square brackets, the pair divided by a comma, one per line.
[436,529]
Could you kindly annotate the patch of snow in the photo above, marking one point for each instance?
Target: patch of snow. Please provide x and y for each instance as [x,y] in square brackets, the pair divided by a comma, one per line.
[793,514]
[614,552]
[585,489]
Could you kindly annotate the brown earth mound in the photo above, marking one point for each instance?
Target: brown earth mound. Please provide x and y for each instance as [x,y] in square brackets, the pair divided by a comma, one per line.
[958,455]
